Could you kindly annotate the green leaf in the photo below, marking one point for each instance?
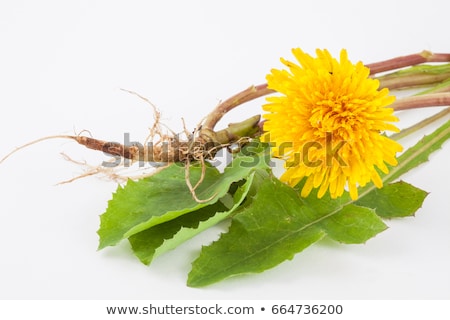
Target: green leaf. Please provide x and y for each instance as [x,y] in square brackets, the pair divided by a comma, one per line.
[267,232]
[419,153]
[353,225]
[341,219]
[164,196]
[146,243]
[161,197]
[150,243]
[394,200]
[276,225]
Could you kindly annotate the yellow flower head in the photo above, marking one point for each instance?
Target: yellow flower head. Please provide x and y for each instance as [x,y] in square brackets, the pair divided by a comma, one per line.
[328,123]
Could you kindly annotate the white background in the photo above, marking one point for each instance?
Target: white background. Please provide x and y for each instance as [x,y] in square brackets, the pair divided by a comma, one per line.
[62,64]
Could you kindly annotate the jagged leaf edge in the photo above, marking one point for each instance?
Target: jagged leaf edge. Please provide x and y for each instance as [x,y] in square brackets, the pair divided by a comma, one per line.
[383,200]
[112,229]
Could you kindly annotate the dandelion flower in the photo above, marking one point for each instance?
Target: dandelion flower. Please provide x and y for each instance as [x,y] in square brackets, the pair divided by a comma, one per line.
[328,123]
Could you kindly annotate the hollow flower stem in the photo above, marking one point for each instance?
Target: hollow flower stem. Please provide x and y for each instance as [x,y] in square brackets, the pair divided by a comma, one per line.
[424,101]
[415,80]
[422,124]
[248,94]
[406,61]
[415,76]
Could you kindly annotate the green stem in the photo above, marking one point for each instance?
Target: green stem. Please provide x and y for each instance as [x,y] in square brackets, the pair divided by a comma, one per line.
[441,87]
[424,101]
[415,76]
[235,131]
[406,61]
[248,94]
[422,124]
[410,81]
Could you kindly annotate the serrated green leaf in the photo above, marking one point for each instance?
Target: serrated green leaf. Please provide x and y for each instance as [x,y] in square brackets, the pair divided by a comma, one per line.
[353,225]
[164,196]
[161,197]
[419,153]
[341,219]
[267,232]
[150,243]
[394,200]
